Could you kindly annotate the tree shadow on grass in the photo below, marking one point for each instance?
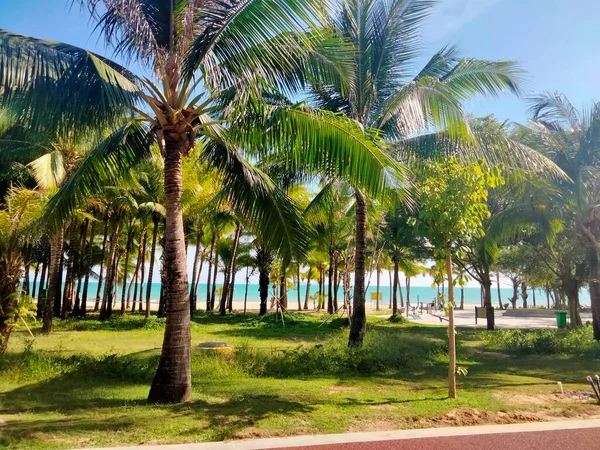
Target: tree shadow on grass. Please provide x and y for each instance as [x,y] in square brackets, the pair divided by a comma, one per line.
[219,420]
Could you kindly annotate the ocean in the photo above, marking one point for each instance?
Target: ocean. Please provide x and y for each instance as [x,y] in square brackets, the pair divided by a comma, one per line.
[417,294]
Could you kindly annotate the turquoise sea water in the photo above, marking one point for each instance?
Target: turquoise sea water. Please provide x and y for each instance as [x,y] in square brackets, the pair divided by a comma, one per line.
[417,293]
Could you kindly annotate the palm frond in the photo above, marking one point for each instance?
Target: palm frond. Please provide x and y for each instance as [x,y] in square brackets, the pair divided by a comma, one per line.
[48,170]
[105,165]
[266,210]
[328,144]
[555,110]
[471,77]
[47,84]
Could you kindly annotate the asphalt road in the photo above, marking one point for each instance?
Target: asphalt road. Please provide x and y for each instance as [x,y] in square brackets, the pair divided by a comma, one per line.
[579,439]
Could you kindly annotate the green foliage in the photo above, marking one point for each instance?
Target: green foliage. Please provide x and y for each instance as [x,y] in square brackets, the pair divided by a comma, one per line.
[575,342]
[382,352]
[453,201]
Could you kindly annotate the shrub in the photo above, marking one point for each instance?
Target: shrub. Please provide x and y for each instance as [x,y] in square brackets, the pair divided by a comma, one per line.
[577,341]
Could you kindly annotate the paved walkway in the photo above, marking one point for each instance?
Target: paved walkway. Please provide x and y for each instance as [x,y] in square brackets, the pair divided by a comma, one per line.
[563,435]
[466,318]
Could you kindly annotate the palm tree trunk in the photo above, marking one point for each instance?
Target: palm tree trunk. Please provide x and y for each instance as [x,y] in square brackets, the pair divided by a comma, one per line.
[263,286]
[143,270]
[400,294]
[214,281]
[307,293]
[298,286]
[499,291]
[227,288]
[197,284]
[524,294]
[173,379]
[88,268]
[246,290]
[408,290]
[594,283]
[336,280]
[107,298]
[320,300]
[69,290]
[35,278]
[378,287]
[126,268]
[391,284]
[359,314]
[451,330]
[56,248]
[135,278]
[395,288]
[330,284]
[487,300]
[162,303]
[195,274]
[151,268]
[533,296]
[101,273]
[41,302]
[210,266]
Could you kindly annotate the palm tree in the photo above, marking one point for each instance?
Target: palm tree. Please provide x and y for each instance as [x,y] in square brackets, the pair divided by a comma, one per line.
[18,218]
[235,48]
[570,138]
[384,36]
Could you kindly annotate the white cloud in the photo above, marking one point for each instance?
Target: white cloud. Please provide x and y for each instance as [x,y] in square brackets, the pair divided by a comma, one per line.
[450,15]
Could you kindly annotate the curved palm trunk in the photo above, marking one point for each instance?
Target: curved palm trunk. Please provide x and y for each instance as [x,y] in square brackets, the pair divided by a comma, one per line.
[56,248]
[173,379]
[283,289]
[336,281]
[101,273]
[197,284]
[151,268]
[524,294]
[359,317]
[246,289]
[330,284]
[407,281]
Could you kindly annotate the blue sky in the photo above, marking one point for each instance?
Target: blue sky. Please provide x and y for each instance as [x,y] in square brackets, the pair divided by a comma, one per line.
[555,41]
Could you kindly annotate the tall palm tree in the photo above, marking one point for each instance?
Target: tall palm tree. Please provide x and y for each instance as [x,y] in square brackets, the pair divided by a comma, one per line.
[384,96]
[203,54]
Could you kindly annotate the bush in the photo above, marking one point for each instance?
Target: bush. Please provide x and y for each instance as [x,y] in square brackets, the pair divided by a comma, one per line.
[578,341]
[382,351]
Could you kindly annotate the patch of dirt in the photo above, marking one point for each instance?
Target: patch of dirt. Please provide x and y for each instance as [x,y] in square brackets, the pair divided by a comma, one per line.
[374,423]
[472,416]
[257,433]
[341,389]
[515,398]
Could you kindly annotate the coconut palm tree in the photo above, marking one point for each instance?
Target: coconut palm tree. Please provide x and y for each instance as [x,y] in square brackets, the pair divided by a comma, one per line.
[207,57]
[571,139]
[383,96]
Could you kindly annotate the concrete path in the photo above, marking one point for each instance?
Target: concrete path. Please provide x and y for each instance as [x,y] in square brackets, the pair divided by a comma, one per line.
[466,318]
[563,435]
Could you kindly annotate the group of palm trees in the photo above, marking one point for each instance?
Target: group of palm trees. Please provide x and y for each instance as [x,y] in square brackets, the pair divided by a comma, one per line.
[212,150]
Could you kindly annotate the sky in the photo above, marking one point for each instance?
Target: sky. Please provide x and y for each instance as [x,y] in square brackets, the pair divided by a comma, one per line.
[557,42]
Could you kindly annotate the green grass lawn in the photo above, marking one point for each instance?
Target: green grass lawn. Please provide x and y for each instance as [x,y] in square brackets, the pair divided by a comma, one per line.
[86,384]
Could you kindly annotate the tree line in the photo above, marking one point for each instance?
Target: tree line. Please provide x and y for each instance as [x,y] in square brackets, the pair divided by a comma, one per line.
[102,167]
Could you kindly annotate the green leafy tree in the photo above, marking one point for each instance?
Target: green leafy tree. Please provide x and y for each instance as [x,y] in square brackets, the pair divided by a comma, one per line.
[452,208]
